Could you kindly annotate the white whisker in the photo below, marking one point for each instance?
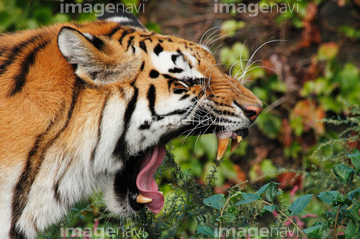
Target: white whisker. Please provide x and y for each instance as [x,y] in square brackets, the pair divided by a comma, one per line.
[200,41]
[209,37]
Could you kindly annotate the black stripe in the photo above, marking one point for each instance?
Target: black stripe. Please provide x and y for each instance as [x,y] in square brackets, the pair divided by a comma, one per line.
[149,34]
[151,96]
[17,51]
[85,83]
[180,90]
[25,65]
[148,39]
[22,189]
[125,33]
[133,49]
[129,42]
[177,112]
[93,153]
[176,70]
[113,31]
[33,165]
[120,148]
[142,45]
[184,97]
[142,66]
[201,93]
[98,43]
[173,58]
[158,49]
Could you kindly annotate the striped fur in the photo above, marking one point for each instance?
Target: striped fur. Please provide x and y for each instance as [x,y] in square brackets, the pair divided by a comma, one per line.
[79,101]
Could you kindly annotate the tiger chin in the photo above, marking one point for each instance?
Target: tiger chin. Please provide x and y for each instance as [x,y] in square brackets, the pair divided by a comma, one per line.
[88,106]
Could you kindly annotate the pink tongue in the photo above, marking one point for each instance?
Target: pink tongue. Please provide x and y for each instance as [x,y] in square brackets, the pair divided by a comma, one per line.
[145,181]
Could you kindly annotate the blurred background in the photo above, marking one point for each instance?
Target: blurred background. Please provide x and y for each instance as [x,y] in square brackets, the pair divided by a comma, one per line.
[301,59]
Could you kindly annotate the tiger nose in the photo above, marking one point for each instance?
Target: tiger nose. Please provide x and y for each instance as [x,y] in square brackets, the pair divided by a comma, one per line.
[252,112]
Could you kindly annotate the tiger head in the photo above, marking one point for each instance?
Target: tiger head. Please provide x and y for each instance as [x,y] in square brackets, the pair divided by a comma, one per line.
[157,87]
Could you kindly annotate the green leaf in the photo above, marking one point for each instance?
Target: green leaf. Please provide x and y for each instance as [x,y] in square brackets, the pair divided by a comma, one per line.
[268,208]
[352,214]
[330,197]
[350,230]
[262,189]
[355,159]
[247,198]
[343,173]
[205,230]
[318,231]
[272,192]
[300,204]
[216,201]
[312,229]
[354,195]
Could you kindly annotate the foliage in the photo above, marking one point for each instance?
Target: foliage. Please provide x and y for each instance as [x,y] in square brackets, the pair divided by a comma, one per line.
[343,217]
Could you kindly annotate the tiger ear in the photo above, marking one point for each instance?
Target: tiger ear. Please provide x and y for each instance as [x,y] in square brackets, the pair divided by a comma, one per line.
[121,16]
[81,51]
[95,59]
[85,53]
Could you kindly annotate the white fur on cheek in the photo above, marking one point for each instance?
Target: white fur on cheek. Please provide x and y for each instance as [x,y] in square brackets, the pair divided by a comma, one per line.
[111,129]
[163,64]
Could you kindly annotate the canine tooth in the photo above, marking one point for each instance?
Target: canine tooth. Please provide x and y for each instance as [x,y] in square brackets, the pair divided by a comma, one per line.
[234,145]
[223,143]
[143,199]
[239,138]
[161,192]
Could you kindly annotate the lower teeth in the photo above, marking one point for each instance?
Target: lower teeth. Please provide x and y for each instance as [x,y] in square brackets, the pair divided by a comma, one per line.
[143,199]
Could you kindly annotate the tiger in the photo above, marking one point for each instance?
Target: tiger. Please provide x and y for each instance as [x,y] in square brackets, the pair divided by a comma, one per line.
[88,106]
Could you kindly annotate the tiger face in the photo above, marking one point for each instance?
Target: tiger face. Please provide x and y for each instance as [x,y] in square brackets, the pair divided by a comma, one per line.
[93,105]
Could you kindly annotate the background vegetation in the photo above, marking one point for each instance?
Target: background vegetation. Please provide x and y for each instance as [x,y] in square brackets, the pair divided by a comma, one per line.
[304,169]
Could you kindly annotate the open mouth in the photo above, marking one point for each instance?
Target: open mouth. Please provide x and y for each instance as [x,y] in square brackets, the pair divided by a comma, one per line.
[143,189]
